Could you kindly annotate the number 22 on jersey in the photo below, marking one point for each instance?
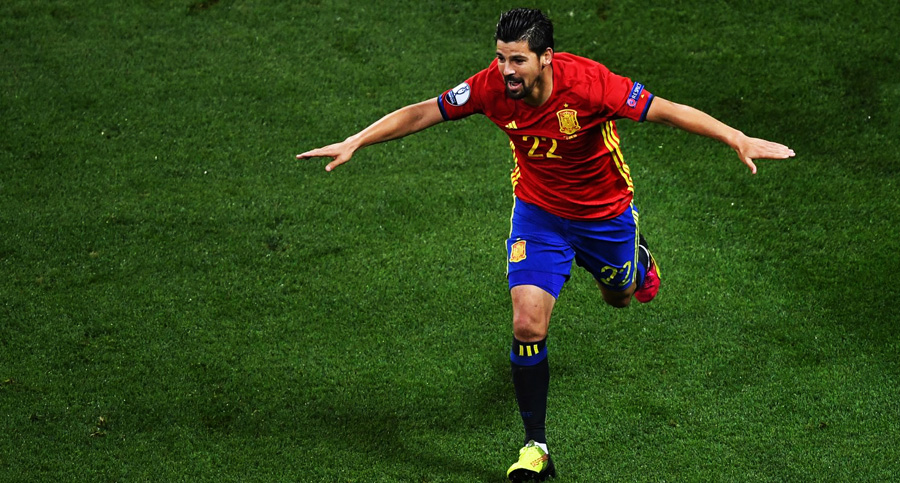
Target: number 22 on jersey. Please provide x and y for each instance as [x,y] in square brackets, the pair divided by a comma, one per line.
[539,147]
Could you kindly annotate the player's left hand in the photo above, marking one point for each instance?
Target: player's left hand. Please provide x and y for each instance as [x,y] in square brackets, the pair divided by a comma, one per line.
[749,149]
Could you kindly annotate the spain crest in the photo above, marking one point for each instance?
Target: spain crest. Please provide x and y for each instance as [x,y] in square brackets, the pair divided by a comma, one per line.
[517,251]
[568,121]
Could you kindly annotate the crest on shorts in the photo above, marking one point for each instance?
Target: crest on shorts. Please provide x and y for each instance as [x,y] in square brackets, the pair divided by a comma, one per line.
[568,121]
[517,251]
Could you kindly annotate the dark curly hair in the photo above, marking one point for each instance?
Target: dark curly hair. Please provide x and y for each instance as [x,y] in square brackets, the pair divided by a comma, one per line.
[526,24]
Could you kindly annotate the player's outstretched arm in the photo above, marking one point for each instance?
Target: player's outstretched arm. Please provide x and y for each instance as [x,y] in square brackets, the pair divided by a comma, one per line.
[698,122]
[402,122]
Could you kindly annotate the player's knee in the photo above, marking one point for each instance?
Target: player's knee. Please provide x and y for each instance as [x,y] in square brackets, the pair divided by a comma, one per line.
[619,302]
[529,328]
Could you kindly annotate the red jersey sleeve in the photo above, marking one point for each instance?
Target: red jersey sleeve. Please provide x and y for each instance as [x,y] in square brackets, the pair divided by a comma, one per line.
[465,99]
[620,96]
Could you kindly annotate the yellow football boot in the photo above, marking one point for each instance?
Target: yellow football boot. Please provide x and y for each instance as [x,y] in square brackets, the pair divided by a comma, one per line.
[534,465]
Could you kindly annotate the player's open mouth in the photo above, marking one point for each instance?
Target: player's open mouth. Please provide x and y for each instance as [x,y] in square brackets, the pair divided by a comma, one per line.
[513,84]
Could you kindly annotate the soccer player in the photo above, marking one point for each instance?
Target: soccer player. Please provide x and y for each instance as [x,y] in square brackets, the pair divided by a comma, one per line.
[572,189]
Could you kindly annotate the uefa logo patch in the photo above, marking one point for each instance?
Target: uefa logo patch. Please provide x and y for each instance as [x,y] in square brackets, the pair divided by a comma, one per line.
[635,95]
[459,95]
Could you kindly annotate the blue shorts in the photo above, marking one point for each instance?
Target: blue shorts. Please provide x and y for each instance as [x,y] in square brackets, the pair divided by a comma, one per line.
[541,247]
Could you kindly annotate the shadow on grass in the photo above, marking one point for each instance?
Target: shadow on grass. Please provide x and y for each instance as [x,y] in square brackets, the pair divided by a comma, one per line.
[429,431]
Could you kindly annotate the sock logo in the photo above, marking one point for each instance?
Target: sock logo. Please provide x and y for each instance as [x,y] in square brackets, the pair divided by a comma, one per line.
[528,353]
[531,350]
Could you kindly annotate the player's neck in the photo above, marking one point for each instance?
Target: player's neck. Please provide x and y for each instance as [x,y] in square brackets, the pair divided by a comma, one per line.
[543,88]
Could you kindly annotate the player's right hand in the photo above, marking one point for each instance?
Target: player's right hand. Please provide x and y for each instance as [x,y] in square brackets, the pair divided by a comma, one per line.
[340,153]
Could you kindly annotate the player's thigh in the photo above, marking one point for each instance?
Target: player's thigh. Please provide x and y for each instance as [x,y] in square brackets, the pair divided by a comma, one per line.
[608,250]
[537,252]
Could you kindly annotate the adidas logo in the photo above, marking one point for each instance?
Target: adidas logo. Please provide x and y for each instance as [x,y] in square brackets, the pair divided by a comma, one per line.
[512,125]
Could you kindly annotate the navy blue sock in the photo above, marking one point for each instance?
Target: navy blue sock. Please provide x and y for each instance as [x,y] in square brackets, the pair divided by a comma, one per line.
[531,379]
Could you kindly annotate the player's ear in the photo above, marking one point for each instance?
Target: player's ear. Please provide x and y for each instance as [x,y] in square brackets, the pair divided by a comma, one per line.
[547,57]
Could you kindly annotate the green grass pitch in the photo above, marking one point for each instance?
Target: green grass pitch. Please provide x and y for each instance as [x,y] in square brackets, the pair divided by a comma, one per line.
[181,300]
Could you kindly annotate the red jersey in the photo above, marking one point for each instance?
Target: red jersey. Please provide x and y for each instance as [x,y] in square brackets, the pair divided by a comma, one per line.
[566,151]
